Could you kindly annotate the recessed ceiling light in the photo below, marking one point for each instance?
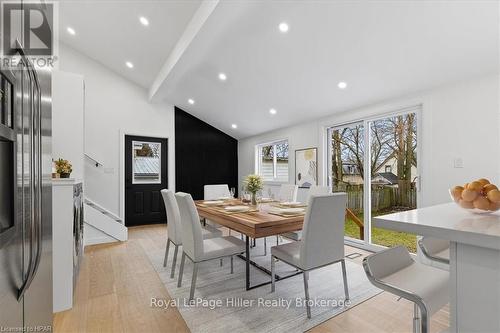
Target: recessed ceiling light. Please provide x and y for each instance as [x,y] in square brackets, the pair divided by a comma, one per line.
[71,31]
[222,77]
[234,126]
[191,101]
[342,85]
[284,27]
[129,64]
[273,111]
[144,21]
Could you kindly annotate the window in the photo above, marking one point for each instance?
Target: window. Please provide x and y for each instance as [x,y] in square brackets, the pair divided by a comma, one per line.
[388,168]
[146,162]
[272,161]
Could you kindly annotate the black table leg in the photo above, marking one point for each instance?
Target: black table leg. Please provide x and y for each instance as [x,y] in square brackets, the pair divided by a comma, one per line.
[247,255]
[249,262]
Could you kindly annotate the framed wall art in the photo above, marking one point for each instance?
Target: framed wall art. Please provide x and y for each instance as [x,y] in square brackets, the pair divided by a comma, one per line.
[306,167]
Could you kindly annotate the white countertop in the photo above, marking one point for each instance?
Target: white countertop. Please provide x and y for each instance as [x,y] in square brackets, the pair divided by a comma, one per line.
[446,221]
[65,181]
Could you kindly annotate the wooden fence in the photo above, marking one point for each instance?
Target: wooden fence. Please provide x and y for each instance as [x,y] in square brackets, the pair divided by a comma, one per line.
[382,199]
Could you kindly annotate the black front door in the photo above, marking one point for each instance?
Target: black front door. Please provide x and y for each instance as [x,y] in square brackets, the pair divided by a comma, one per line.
[145,176]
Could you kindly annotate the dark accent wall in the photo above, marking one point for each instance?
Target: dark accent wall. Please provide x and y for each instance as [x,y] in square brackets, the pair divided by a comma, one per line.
[203,155]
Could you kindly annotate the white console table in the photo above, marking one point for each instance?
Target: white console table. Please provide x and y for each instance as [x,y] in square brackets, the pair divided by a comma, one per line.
[474,260]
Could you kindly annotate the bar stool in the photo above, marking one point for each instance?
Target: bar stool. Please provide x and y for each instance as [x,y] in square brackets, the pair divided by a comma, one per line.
[435,249]
[394,271]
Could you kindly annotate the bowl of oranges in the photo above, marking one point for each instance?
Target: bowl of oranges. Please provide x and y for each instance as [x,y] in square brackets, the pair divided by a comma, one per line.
[479,196]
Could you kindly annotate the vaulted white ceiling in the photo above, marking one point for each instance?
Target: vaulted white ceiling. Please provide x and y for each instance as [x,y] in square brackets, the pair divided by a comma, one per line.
[110,32]
[381,49]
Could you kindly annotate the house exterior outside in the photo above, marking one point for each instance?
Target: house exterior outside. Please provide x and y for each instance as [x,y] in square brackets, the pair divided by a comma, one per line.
[386,174]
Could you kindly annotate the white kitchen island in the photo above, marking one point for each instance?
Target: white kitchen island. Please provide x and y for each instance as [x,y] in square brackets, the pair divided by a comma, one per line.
[474,260]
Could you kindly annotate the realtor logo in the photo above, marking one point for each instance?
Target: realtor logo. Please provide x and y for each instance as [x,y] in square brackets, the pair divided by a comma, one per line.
[32,23]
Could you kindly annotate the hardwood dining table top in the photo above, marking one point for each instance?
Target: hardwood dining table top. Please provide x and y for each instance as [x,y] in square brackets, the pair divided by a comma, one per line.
[256,223]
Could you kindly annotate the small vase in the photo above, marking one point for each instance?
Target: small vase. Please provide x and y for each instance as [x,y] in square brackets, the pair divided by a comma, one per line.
[65,175]
[254,199]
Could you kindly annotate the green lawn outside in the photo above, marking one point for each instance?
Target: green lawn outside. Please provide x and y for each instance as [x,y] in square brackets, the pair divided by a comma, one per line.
[383,237]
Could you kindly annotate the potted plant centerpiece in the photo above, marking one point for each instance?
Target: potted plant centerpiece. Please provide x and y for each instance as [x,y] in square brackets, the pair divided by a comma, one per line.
[253,184]
[63,168]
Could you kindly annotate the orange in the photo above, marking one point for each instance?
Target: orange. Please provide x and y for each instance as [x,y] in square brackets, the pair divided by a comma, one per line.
[489,187]
[456,192]
[466,204]
[494,206]
[481,203]
[475,186]
[494,196]
[469,195]
[483,181]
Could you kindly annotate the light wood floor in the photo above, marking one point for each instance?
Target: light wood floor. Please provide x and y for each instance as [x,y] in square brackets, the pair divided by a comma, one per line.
[117,281]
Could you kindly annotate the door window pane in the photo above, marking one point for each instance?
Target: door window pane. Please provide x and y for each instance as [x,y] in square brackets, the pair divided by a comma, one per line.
[146,162]
[393,174]
[347,174]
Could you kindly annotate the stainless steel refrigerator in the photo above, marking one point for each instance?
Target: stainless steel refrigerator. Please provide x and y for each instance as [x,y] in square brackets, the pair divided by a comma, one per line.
[25,198]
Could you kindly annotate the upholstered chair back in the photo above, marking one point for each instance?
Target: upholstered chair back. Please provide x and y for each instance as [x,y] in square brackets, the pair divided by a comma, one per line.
[323,232]
[192,239]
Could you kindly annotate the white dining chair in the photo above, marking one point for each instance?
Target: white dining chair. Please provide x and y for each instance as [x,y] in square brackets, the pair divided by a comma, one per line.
[435,249]
[322,243]
[288,192]
[313,190]
[394,271]
[174,228]
[216,191]
[195,247]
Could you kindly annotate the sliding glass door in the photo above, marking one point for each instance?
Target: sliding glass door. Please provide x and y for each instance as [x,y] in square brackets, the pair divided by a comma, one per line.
[375,162]
[393,142]
[346,150]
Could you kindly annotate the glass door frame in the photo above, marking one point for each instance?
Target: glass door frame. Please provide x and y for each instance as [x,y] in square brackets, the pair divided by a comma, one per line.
[329,178]
[367,121]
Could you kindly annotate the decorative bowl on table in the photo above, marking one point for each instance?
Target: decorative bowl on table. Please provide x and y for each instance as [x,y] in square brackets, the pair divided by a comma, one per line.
[479,196]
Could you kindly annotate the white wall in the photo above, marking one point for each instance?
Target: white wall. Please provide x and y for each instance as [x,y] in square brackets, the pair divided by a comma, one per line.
[303,136]
[68,120]
[113,106]
[459,120]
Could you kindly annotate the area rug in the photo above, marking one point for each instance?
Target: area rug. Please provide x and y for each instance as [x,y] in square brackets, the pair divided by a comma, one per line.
[223,305]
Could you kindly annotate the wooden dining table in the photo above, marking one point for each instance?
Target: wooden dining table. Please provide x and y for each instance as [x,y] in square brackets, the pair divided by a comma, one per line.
[258,222]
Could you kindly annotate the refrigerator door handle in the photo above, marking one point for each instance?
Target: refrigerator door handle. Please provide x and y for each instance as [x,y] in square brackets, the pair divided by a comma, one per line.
[38,177]
[35,176]
[32,230]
